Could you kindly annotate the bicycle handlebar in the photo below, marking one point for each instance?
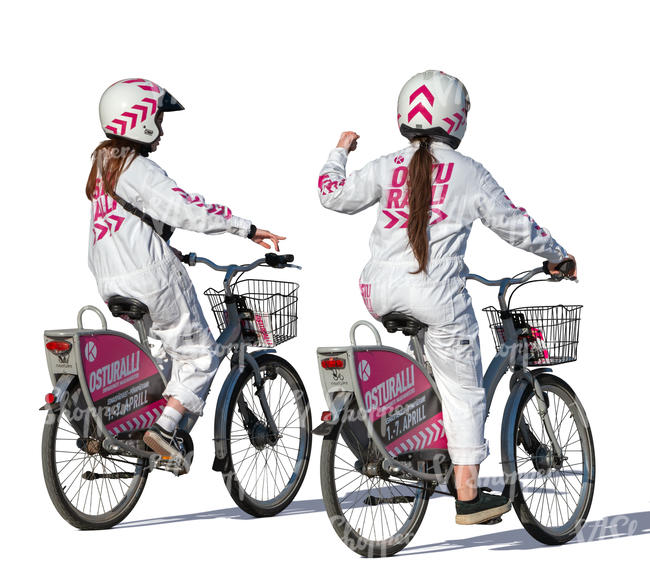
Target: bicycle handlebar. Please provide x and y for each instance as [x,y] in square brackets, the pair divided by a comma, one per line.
[565,268]
[270,259]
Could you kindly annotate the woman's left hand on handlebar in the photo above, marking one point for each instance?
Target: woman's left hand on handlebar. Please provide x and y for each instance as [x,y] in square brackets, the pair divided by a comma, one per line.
[261,235]
[572,274]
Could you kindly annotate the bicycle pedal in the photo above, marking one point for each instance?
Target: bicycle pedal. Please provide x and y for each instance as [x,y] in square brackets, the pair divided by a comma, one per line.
[494,521]
[377,500]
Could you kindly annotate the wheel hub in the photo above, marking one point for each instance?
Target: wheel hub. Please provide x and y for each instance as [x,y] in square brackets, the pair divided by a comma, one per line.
[543,459]
[90,446]
[260,436]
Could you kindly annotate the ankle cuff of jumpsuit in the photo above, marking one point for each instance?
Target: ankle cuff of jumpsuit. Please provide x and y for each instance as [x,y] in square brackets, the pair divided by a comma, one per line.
[469,455]
[190,401]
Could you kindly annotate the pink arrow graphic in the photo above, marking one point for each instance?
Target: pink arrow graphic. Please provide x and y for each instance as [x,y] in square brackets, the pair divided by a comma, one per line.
[111,129]
[133,116]
[153,104]
[405,215]
[152,88]
[118,219]
[450,122]
[420,109]
[422,90]
[441,216]
[460,119]
[103,230]
[122,123]
[181,192]
[143,109]
[393,220]
[134,80]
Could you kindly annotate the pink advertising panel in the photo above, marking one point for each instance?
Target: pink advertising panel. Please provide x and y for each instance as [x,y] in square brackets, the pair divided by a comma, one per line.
[400,402]
[123,382]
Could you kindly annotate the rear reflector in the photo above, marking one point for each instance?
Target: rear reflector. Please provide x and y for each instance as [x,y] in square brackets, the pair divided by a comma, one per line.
[326,416]
[58,346]
[50,398]
[333,363]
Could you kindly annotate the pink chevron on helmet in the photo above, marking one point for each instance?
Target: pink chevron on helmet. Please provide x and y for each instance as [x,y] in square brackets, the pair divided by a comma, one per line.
[434,104]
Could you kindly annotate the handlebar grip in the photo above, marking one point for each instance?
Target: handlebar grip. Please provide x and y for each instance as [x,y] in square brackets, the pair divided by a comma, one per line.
[275,260]
[565,268]
[189,258]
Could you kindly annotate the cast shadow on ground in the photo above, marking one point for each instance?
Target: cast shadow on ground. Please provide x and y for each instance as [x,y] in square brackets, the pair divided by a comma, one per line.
[609,527]
[297,507]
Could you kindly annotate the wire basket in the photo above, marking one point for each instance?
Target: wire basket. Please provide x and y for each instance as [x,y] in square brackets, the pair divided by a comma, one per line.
[268,310]
[550,332]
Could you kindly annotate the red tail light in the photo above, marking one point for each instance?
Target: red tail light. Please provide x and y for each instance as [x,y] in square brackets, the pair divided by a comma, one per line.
[58,346]
[326,416]
[50,398]
[333,363]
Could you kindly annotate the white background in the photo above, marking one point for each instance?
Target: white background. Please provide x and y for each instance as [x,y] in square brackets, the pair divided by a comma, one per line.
[559,116]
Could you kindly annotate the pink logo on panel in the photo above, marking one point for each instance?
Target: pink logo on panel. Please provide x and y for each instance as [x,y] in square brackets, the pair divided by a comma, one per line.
[400,402]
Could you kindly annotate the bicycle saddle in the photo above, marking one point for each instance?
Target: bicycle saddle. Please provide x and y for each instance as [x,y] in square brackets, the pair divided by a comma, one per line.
[130,307]
[398,321]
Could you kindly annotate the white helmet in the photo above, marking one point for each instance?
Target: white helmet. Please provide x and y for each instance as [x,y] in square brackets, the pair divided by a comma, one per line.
[127,109]
[434,104]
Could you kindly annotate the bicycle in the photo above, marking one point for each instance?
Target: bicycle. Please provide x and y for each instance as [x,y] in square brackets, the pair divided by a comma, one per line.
[107,391]
[385,452]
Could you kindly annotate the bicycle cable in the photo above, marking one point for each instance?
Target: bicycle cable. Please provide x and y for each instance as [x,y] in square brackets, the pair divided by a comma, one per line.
[520,285]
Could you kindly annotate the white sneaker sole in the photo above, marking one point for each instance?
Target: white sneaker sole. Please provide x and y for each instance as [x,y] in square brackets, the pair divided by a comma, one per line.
[160,446]
[482,516]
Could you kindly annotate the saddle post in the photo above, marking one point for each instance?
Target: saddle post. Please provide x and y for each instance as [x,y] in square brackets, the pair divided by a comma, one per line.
[142,332]
[416,345]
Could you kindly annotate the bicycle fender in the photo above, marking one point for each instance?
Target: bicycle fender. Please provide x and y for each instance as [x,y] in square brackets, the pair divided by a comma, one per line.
[60,392]
[507,431]
[221,416]
[338,405]
[516,376]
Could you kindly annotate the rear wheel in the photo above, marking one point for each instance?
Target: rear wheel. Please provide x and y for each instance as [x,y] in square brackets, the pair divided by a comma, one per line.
[263,473]
[551,493]
[90,488]
[374,514]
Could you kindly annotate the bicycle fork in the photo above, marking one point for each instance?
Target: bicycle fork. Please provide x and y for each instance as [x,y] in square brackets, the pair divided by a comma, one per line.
[529,440]
[249,418]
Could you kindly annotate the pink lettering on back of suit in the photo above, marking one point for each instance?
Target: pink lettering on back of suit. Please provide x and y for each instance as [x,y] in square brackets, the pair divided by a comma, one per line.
[105,221]
[396,209]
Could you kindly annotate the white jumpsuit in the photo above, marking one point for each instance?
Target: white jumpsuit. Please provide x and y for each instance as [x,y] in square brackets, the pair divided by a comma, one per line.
[129,258]
[462,191]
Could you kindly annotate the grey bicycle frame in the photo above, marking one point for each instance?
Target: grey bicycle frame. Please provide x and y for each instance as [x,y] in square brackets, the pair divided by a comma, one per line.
[509,353]
[230,337]
[508,357]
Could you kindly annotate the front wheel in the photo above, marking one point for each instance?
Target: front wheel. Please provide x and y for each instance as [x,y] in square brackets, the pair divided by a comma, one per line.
[375,514]
[551,492]
[264,471]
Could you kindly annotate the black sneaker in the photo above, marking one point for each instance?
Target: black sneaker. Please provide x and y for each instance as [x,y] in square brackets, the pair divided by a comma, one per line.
[486,508]
[162,442]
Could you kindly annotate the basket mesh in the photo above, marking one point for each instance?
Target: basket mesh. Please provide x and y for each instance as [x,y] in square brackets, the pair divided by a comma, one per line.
[267,310]
[550,332]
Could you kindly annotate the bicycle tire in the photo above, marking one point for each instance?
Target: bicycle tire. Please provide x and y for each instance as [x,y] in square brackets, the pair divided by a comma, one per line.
[59,489]
[559,396]
[349,531]
[236,480]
